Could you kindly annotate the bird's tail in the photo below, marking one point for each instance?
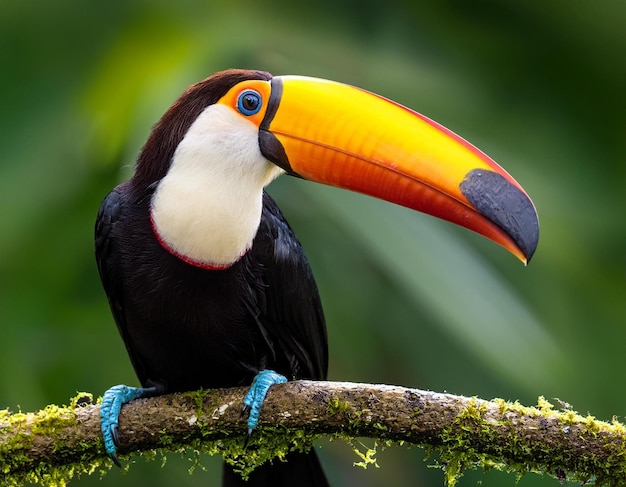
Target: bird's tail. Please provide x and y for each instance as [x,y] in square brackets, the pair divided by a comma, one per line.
[299,469]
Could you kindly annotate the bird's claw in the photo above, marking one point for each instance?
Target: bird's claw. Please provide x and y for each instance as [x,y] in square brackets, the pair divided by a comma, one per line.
[112,401]
[255,396]
[111,441]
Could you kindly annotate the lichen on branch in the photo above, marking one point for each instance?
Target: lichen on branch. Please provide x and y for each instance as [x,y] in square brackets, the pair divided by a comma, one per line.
[51,446]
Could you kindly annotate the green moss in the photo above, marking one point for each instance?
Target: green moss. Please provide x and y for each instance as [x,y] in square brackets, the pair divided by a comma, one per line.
[464,440]
[18,467]
[367,456]
[380,427]
[543,405]
[268,443]
[503,405]
[335,406]
[470,434]
[198,400]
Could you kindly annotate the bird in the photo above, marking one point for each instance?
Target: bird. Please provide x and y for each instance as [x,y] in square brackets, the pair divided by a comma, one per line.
[207,282]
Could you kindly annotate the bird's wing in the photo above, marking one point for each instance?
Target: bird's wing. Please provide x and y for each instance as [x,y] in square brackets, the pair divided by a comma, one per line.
[108,217]
[107,258]
[292,312]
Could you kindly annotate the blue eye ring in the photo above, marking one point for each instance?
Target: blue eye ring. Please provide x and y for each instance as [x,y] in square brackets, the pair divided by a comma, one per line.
[249,102]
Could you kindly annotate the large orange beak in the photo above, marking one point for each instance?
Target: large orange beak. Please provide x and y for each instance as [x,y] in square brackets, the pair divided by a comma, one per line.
[347,137]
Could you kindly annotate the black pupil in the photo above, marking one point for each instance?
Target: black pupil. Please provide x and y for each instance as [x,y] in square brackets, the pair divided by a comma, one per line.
[250,102]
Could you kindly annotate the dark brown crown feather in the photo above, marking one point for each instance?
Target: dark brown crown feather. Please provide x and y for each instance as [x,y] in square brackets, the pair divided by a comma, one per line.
[156,156]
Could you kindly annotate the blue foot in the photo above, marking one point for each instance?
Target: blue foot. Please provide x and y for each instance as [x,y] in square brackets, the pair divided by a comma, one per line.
[256,395]
[112,402]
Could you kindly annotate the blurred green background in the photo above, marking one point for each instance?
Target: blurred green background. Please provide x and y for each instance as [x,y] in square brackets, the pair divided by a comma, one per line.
[409,300]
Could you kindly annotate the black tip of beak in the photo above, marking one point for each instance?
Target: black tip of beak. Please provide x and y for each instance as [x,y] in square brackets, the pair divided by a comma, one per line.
[506,205]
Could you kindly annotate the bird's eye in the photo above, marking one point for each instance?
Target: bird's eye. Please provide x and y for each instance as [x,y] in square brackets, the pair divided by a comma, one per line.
[249,102]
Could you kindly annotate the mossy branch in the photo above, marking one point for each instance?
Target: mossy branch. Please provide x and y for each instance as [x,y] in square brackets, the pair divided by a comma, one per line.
[50,446]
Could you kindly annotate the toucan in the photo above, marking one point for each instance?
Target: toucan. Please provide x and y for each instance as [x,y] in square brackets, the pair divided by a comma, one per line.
[207,282]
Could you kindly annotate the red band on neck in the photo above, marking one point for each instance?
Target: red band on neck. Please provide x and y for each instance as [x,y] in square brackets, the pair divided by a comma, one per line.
[184,258]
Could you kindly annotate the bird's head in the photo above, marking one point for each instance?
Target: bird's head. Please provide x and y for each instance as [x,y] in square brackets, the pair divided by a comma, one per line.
[237,130]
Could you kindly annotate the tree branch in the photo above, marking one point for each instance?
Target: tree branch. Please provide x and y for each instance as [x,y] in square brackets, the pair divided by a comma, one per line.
[56,443]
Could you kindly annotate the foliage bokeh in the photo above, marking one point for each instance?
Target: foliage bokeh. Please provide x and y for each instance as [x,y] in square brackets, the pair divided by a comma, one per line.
[409,300]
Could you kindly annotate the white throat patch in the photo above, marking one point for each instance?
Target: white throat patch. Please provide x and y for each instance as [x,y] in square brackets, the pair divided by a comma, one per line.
[207,209]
